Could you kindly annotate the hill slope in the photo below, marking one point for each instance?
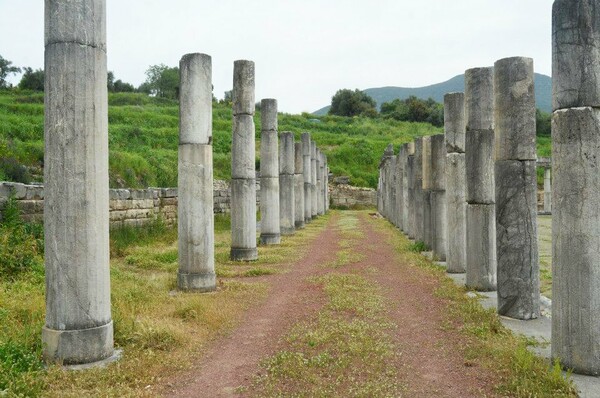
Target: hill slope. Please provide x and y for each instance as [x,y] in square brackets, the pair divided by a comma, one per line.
[543,92]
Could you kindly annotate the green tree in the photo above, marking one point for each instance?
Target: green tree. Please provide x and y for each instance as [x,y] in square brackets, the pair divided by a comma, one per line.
[414,109]
[352,103]
[162,81]
[32,79]
[118,86]
[6,69]
[543,124]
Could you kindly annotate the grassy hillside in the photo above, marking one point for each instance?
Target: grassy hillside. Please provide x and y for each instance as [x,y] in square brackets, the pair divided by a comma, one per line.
[143,138]
[543,92]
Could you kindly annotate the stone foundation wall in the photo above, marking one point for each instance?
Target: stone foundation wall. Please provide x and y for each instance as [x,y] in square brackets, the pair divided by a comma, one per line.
[347,196]
[128,207]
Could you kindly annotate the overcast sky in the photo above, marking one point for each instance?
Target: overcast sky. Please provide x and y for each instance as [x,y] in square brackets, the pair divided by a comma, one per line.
[305,50]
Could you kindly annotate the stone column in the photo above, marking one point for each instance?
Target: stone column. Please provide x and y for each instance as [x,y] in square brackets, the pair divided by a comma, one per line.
[548,190]
[439,229]
[427,186]
[575,199]
[320,183]
[516,186]
[479,164]
[196,234]
[243,174]
[286,183]
[400,186]
[405,186]
[456,215]
[410,182]
[78,328]
[326,193]
[418,213]
[307,176]
[313,179]
[298,186]
[270,231]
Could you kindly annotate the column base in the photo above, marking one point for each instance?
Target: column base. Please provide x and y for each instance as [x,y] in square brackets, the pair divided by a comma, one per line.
[270,239]
[244,254]
[288,231]
[78,347]
[299,224]
[201,283]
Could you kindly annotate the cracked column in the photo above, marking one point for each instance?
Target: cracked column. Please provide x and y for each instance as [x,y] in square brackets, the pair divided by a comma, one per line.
[243,174]
[313,179]
[427,185]
[196,239]
[479,165]
[78,328]
[410,191]
[286,183]
[419,196]
[307,176]
[298,186]
[321,183]
[270,233]
[576,203]
[548,190]
[439,230]
[456,212]
[516,189]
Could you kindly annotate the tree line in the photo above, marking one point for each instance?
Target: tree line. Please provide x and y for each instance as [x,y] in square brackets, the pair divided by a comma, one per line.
[352,103]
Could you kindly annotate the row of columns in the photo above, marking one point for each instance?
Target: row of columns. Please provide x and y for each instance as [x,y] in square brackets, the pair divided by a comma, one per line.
[491,185]
[294,180]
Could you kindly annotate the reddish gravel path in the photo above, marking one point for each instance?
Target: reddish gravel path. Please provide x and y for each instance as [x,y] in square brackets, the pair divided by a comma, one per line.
[232,361]
[431,361]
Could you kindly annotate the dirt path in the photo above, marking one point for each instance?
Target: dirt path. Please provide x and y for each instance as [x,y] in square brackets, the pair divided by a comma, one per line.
[232,361]
[431,357]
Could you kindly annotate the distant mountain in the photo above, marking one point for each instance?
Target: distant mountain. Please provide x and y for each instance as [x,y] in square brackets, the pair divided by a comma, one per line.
[543,92]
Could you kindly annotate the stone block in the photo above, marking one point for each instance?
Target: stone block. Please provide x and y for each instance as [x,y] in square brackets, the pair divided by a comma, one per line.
[243,88]
[456,257]
[243,148]
[454,122]
[479,100]
[481,247]
[479,166]
[195,99]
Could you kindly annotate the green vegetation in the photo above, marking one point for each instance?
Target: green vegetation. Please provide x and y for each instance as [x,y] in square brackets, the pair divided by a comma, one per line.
[414,109]
[352,103]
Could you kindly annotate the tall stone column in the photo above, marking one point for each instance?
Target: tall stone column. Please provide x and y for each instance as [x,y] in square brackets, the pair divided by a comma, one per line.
[439,230]
[307,177]
[320,183]
[400,186]
[516,189]
[243,174]
[196,239]
[576,203]
[479,164]
[419,200]
[456,214]
[270,230]
[326,183]
[410,182]
[313,179]
[78,328]
[547,190]
[287,170]
[427,186]
[298,186]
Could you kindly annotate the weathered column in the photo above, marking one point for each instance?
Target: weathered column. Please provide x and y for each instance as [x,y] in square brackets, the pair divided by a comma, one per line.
[270,230]
[326,183]
[313,179]
[547,190]
[243,174]
[307,176]
[456,214]
[576,203]
[418,213]
[516,186]
[410,182]
[439,229]
[78,328]
[196,235]
[406,149]
[287,170]
[479,164]
[400,186]
[320,183]
[298,186]
[427,186]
